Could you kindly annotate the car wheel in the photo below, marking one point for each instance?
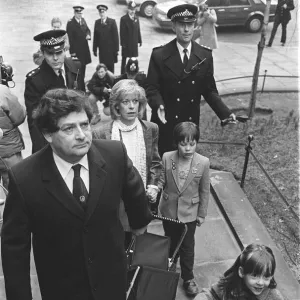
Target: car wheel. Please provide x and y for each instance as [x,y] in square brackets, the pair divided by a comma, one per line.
[254,24]
[146,9]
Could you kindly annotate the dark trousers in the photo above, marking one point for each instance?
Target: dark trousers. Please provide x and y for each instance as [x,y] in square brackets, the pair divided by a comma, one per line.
[123,64]
[187,248]
[277,22]
[83,68]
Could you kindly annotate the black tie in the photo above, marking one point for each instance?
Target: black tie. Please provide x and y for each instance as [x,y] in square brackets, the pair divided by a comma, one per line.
[61,78]
[79,190]
[185,57]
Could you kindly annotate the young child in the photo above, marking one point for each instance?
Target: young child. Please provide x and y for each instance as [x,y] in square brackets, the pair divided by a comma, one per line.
[250,277]
[100,86]
[185,193]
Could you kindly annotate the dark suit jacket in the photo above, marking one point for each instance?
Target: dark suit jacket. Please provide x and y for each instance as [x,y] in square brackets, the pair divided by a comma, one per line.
[78,255]
[106,38]
[78,42]
[130,35]
[41,80]
[179,91]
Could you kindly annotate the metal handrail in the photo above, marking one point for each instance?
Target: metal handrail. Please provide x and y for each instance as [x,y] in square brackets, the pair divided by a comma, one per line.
[249,151]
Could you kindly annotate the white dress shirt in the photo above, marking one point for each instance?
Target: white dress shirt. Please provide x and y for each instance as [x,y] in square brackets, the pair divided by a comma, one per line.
[180,49]
[67,173]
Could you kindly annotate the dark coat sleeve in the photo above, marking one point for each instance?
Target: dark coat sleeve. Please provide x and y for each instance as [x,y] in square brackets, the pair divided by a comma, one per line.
[70,33]
[134,196]
[95,39]
[139,32]
[16,245]
[123,32]
[154,80]
[95,87]
[115,36]
[211,94]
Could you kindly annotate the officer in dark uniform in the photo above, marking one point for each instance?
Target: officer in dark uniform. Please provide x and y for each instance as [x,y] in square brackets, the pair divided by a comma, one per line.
[56,71]
[130,35]
[179,73]
[79,34]
[106,38]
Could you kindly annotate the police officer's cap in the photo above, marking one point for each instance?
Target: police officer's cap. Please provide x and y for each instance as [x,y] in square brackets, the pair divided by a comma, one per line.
[102,7]
[78,8]
[131,5]
[51,41]
[183,13]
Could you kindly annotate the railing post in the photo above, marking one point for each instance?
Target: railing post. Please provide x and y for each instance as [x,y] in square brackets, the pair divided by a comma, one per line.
[263,85]
[247,148]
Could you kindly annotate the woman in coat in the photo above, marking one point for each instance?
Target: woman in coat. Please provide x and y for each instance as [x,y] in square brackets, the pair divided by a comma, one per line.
[206,23]
[127,104]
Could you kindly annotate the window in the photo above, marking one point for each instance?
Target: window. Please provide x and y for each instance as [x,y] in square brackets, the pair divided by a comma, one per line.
[239,2]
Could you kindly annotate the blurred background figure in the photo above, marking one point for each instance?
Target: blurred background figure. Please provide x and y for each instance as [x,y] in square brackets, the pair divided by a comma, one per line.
[127,104]
[79,34]
[12,114]
[282,16]
[130,35]
[100,87]
[106,39]
[56,25]
[205,34]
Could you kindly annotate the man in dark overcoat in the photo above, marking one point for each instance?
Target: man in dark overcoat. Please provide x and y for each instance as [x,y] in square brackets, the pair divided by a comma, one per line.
[106,39]
[130,35]
[79,34]
[56,71]
[65,199]
[282,16]
[179,73]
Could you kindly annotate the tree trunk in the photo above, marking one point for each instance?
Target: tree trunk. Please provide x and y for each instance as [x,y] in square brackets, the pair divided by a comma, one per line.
[260,47]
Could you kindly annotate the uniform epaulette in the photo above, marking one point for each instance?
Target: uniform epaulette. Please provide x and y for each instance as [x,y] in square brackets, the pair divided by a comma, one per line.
[206,47]
[33,72]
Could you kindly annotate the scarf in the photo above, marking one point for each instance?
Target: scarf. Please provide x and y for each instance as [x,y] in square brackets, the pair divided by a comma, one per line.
[139,159]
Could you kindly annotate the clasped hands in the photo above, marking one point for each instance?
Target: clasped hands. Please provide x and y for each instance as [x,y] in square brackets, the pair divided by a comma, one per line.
[151,193]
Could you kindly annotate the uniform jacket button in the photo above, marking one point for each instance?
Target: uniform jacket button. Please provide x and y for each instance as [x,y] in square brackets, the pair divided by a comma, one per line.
[190,118]
[90,260]
[179,81]
[192,100]
[178,99]
[193,82]
[176,117]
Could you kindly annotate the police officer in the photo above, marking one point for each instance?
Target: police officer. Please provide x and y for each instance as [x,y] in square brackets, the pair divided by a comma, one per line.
[79,34]
[56,71]
[130,34]
[179,73]
[106,38]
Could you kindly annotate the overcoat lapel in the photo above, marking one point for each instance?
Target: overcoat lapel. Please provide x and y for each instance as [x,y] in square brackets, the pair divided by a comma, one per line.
[194,170]
[172,58]
[148,143]
[97,179]
[56,186]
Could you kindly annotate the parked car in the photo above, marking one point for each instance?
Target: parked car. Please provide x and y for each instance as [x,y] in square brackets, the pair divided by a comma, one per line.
[144,7]
[248,13]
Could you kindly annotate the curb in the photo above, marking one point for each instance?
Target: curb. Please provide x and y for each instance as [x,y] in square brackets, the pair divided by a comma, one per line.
[243,92]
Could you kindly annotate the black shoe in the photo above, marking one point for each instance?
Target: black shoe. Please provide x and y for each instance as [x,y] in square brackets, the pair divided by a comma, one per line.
[269,45]
[282,44]
[191,287]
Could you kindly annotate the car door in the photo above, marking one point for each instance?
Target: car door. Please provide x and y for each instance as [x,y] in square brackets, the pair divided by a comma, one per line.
[221,9]
[238,11]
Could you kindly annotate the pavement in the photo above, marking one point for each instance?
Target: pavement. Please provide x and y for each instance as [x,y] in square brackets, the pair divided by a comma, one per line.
[217,242]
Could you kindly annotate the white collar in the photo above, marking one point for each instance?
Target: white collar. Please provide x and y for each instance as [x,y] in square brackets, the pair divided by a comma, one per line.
[64,167]
[180,48]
